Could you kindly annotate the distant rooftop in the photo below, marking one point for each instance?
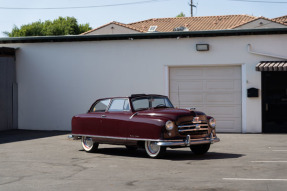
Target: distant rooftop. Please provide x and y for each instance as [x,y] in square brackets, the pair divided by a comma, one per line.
[282,19]
[202,23]
[193,23]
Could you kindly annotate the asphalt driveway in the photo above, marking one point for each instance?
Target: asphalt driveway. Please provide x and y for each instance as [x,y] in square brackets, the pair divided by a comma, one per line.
[39,160]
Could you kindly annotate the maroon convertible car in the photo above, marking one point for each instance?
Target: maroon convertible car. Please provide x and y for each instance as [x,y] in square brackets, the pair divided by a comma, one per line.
[147,121]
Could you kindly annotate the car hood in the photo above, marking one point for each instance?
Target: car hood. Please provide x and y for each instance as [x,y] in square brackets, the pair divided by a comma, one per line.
[170,112]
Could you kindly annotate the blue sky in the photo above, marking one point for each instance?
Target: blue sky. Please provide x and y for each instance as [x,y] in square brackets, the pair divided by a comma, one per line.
[103,11]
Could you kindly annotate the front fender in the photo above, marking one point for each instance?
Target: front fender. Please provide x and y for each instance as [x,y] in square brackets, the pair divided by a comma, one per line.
[147,127]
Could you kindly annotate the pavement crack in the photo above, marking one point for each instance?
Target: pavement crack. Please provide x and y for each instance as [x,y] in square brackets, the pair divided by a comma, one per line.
[16,179]
[131,183]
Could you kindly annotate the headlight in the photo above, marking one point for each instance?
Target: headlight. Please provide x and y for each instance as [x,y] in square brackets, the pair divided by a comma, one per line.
[169,125]
[212,122]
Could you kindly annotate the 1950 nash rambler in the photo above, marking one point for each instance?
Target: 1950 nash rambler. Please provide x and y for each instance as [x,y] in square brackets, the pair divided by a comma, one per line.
[147,121]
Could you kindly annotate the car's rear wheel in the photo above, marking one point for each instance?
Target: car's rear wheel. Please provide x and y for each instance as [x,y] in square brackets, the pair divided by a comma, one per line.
[153,150]
[89,145]
[200,149]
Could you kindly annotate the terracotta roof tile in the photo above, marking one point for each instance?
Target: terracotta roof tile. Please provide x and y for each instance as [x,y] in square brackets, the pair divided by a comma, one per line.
[193,23]
[282,19]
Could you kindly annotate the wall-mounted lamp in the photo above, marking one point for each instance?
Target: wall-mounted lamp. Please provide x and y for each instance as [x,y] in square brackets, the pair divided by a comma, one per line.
[202,47]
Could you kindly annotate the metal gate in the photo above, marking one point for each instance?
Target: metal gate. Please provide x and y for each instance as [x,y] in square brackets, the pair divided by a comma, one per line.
[8,90]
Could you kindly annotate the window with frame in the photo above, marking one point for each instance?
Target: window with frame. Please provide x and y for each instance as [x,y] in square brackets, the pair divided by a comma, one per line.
[120,105]
[101,105]
[143,103]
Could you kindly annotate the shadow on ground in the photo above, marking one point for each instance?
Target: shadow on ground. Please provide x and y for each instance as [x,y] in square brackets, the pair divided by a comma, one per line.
[175,155]
[24,135]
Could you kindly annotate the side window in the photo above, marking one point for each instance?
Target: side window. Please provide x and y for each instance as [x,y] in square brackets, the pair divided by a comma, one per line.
[126,105]
[120,105]
[142,103]
[101,106]
[158,101]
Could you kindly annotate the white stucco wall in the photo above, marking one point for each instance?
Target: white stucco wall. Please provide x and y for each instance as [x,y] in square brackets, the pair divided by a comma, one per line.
[59,80]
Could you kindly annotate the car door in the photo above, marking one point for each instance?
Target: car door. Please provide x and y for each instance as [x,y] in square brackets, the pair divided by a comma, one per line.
[116,119]
[93,119]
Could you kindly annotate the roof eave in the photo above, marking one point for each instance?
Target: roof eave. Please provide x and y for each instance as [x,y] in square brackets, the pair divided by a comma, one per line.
[134,36]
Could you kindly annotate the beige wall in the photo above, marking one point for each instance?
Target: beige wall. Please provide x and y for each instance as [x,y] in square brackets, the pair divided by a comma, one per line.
[113,29]
[59,80]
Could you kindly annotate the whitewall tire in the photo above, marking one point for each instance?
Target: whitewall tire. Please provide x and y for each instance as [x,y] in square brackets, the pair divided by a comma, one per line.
[89,145]
[153,150]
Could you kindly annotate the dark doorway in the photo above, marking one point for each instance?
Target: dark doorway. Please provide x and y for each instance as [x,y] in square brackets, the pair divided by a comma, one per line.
[8,89]
[274,102]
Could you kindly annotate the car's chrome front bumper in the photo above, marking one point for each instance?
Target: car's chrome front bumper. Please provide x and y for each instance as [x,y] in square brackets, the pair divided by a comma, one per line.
[188,141]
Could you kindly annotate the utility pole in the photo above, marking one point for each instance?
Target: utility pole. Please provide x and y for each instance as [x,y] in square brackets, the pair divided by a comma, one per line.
[191,8]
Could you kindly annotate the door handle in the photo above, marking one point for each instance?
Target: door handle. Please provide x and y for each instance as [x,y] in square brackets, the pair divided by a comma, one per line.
[104,116]
[266,107]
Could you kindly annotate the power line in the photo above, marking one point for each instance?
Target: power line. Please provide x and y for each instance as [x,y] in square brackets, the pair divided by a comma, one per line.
[255,1]
[83,7]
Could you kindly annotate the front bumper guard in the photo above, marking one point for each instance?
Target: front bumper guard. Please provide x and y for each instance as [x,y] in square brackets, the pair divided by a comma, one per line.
[188,141]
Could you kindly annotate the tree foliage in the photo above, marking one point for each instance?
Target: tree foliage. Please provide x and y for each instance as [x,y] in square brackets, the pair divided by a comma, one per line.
[181,14]
[60,26]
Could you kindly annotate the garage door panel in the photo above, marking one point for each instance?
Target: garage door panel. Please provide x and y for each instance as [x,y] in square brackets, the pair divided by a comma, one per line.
[186,73]
[237,85]
[186,97]
[186,85]
[220,98]
[222,73]
[213,90]
[224,111]
[225,98]
[196,98]
[223,125]
[221,84]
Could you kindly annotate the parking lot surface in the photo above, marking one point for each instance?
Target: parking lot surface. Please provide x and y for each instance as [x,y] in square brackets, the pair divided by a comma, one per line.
[38,160]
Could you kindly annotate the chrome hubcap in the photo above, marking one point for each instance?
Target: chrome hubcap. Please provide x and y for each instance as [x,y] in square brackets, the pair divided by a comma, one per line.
[88,142]
[153,147]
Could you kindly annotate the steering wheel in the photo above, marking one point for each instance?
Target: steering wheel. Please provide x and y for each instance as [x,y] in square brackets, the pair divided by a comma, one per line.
[160,105]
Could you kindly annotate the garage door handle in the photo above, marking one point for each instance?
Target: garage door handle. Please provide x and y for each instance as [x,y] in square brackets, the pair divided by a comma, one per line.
[104,116]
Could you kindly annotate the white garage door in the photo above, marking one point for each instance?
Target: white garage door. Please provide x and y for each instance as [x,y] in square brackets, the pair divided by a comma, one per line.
[214,90]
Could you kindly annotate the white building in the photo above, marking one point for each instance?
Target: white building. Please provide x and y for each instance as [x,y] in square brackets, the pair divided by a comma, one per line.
[58,77]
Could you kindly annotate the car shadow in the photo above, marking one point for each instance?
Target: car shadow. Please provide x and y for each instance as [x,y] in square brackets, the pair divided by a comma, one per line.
[174,155]
[24,135]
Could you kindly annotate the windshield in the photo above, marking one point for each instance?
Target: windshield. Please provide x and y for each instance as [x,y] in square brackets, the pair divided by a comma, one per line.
[143,103]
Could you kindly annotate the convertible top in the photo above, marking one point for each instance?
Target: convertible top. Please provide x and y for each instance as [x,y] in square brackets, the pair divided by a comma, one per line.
[145,95]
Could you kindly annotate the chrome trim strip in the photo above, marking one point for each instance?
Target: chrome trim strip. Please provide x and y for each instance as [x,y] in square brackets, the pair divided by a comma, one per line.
[186,130]
[119,138]
[133,115]
[181,142]
[187,126]
[188,141]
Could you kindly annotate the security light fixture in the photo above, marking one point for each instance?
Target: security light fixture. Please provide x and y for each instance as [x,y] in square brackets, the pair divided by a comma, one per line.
[202,47]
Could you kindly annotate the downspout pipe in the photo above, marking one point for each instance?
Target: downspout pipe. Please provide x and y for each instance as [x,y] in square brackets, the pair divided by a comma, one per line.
[264,54]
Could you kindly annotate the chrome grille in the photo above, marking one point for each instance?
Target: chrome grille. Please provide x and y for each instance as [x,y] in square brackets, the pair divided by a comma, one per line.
[193,128]
[202,132]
